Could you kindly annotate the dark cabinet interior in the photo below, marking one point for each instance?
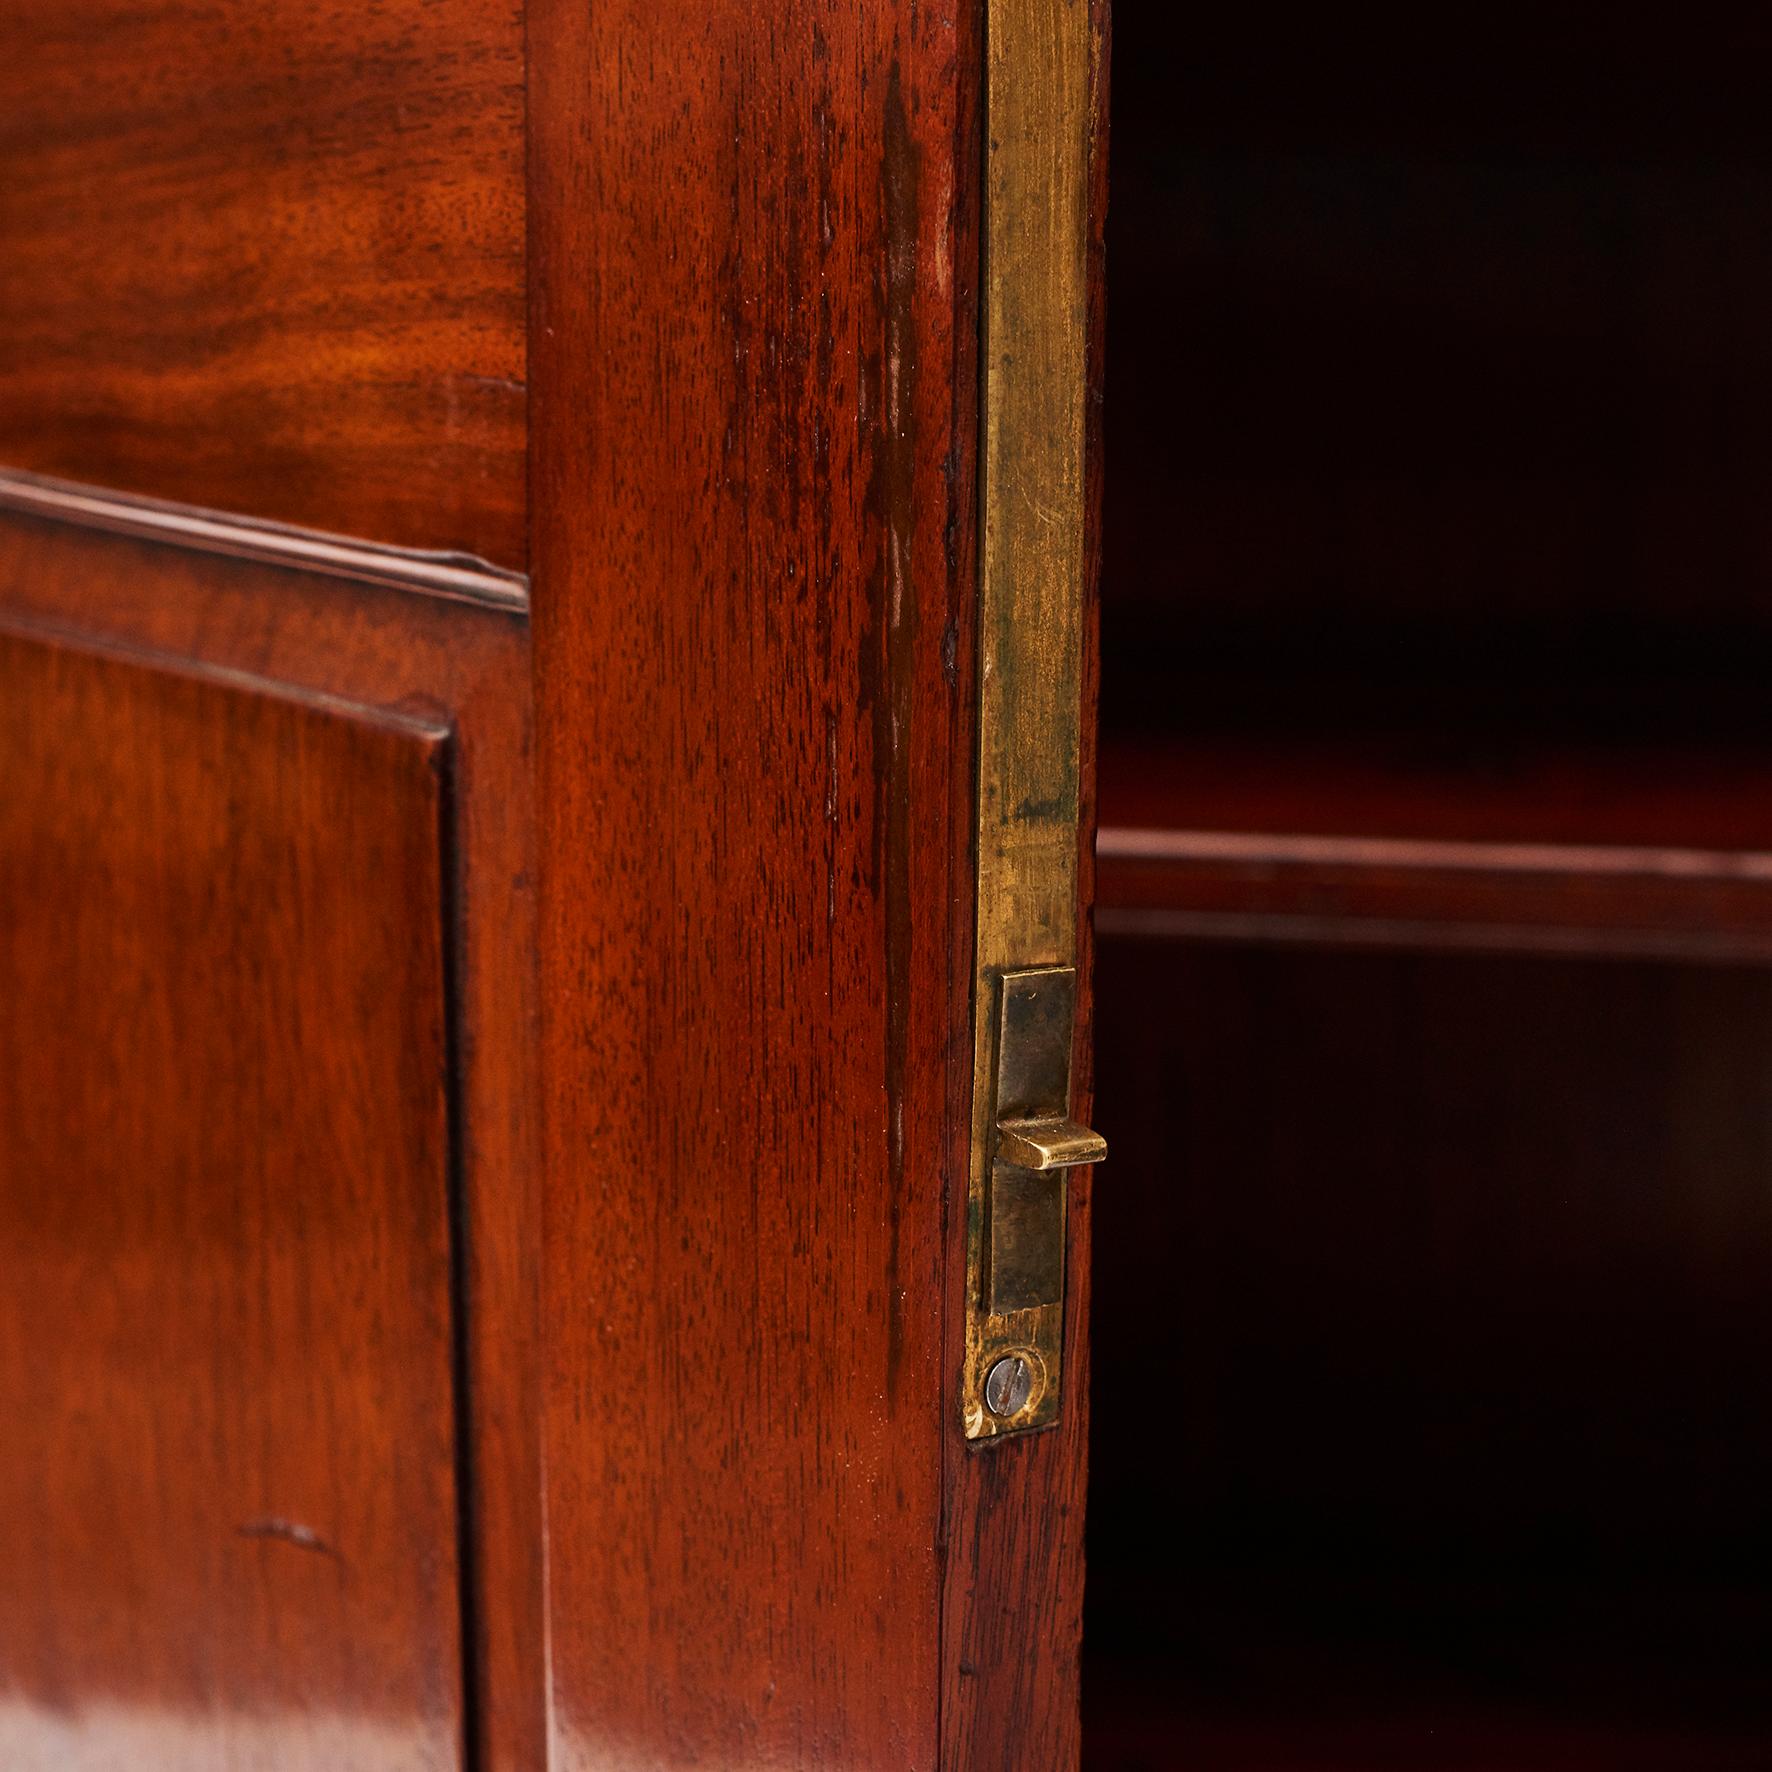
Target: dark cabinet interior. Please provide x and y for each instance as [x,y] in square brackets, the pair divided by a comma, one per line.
[1434,1023]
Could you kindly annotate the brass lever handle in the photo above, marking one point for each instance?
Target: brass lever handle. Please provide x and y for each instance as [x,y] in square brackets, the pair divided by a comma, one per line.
[1021,1224]
[1048,1144]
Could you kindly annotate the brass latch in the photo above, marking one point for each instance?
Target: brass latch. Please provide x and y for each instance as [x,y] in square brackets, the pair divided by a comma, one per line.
[1038,94]
[1036,1142]
[1018,1316]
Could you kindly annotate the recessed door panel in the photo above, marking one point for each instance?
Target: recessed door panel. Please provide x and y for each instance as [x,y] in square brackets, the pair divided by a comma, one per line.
[227,1473]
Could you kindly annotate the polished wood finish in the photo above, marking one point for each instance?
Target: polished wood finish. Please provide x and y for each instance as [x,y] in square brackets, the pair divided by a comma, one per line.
[753,261]
[755,251]
[1640,849]
[234,698]
[250,538]
[270,263]
[1366,892]
[267,380]
[225,1341]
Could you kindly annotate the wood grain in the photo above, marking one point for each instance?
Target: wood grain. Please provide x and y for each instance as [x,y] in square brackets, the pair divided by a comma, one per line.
[343,650]
[1387,892]
[225,1341]
[751,498]
[754,322]
[270,262]
[1647,848]
[253,538]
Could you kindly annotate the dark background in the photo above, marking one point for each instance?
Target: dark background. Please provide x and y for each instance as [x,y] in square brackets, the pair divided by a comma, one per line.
[1433,1289]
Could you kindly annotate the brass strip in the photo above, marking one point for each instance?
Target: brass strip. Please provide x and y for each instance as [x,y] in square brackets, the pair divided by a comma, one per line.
[1031,593]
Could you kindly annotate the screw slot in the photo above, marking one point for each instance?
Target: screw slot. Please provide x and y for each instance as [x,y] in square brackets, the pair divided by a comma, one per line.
[1009,1385]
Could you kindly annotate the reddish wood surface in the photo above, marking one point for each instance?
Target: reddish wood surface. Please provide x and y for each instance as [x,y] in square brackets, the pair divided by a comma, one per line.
[271,263]
[258,539]
[1678,904]
[272,267]
[225,1342]
[1419,787]
[753,334]
[1624,848]
[278,672]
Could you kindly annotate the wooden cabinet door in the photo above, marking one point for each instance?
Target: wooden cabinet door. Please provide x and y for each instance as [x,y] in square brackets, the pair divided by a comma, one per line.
[229,1477]
[493,525]
[758,250]
[266,949]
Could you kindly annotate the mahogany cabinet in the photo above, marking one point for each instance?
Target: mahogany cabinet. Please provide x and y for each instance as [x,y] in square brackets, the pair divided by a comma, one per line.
[511,552]
[1434,1018]
[548,773]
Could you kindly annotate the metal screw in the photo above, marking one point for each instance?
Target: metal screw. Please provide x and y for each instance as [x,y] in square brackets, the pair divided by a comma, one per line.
[1008,1385]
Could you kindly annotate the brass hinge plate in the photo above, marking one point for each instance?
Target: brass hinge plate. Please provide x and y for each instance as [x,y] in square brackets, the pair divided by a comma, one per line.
[1031,578]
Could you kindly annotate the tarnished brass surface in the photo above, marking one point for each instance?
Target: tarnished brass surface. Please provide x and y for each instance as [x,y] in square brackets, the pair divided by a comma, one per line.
[1048,1144]
[1037,131]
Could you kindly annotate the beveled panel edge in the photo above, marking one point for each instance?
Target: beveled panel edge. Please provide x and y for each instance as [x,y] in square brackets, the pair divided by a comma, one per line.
[461,577]
[432,728]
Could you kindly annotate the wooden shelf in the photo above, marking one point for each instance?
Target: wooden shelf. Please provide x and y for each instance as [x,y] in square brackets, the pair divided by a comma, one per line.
[1141,1734]
[1239,1685]
[1570,849]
